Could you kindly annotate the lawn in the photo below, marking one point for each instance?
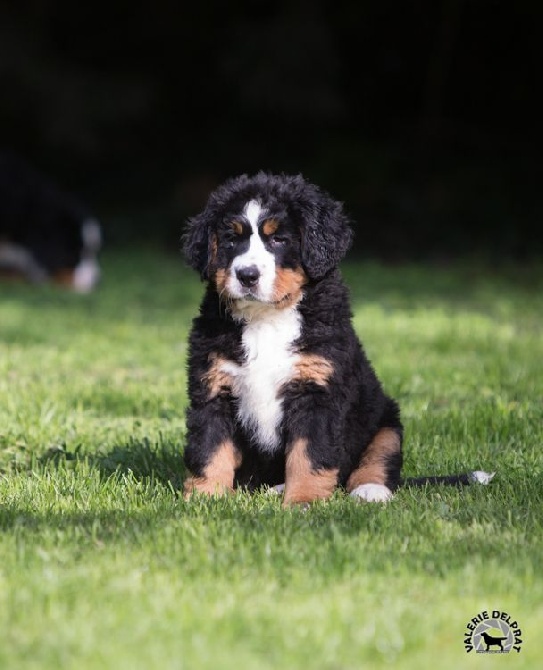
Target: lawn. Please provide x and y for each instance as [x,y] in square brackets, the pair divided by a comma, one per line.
[104,565]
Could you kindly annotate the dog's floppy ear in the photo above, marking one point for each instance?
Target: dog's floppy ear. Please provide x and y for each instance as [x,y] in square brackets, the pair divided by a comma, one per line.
[198,242]
[200,239]
[326,234]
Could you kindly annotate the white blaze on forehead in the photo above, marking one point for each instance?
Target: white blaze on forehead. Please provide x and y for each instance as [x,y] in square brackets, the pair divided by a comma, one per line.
[256,255]
[252,213]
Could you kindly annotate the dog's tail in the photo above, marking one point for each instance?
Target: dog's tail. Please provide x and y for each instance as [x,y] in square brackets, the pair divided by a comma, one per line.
[475,477]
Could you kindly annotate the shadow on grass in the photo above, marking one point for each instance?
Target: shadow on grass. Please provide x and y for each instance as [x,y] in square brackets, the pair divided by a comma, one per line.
[99,525]
[142,459]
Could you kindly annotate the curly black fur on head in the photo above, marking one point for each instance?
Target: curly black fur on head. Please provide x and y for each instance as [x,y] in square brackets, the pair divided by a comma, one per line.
[325,231]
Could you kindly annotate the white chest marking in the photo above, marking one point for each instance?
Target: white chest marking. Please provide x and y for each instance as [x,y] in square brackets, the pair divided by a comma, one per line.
[269,363]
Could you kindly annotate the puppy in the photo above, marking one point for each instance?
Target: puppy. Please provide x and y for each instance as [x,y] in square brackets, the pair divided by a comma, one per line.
[280,388]
[45,234]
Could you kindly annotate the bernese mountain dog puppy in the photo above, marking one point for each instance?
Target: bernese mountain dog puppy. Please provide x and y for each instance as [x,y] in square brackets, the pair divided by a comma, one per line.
[45,233]
[280,388]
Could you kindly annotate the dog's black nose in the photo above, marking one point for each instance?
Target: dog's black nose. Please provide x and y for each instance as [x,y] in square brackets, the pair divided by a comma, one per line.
[248,276]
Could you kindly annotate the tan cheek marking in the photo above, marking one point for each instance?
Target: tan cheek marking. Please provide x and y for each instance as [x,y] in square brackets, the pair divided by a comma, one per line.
[221,277]
[287,288]
[216,379]
[302,482]
[214,250]
[270,226]
[313,368]
[372,467]
[218,477]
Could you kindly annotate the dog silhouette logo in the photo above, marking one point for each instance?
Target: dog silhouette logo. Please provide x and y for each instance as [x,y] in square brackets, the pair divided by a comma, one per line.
[491,640]
[493,632]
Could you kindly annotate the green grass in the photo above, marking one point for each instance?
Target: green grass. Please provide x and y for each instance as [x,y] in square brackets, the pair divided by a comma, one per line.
[104,565]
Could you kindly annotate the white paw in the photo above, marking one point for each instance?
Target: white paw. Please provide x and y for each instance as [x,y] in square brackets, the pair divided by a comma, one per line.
[276,490]
[481,477]
[372,493]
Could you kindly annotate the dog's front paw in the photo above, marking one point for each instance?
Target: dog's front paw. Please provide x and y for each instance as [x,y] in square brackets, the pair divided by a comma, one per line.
[204,486]
[372,493]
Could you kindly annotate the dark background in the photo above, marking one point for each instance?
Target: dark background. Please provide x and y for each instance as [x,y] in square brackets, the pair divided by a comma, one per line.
[422,116]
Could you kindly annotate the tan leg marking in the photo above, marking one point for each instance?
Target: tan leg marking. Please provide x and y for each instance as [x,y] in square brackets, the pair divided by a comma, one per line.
[372,467]
[218,477]
[302,482]
[64,277]
[313,368]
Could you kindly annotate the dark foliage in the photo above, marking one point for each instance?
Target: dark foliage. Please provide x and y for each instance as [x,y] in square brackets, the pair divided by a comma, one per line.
[421,116]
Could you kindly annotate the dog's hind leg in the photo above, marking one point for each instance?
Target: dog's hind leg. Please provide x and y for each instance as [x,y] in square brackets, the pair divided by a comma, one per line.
[378,472]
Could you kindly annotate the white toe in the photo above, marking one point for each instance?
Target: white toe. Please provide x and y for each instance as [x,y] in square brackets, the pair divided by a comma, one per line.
[372,493]
[276,490]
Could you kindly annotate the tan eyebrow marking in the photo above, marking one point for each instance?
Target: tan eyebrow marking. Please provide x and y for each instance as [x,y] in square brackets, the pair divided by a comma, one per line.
[270,226]
[237,227]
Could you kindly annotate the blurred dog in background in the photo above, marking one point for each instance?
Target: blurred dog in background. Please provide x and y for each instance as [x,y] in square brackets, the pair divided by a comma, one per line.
[45,233]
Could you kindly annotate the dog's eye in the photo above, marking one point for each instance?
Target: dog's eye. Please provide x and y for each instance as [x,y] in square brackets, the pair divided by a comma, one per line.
[229,239]
[278,240]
